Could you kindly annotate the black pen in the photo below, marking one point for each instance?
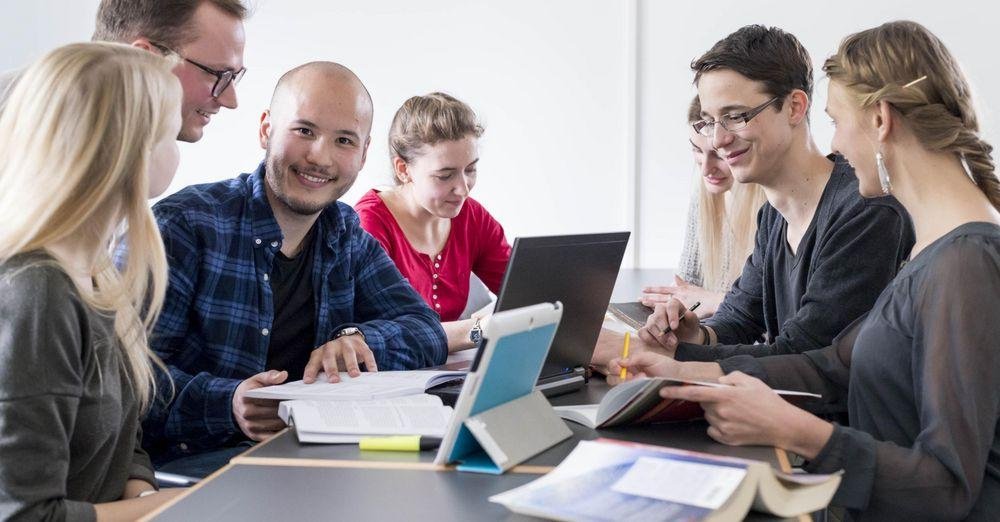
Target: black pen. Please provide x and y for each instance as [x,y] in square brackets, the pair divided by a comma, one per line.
[681,318]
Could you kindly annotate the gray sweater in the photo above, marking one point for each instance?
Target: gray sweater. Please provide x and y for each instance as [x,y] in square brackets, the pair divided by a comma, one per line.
[69,421]
[921,378]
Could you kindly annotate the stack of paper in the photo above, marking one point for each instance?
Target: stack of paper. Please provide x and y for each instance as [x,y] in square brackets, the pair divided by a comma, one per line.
[373,404]
[368,386]
[334,422]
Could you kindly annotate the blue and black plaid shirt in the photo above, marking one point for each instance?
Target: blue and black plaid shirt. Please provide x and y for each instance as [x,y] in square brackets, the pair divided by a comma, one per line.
[221,239]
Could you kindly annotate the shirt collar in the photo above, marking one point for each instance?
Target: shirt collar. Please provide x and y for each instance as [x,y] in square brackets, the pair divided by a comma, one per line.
[265,227]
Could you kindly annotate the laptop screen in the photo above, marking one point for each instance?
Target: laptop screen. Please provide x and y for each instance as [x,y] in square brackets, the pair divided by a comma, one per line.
[578,270]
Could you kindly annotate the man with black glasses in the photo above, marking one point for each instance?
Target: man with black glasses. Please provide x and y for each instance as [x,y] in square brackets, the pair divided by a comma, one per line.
[206,34]
[822,254]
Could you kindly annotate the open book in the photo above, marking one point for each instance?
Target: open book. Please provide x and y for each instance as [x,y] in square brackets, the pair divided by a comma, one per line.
[633,314]
[612,480]
[368,386]
[638,402]
[333,422]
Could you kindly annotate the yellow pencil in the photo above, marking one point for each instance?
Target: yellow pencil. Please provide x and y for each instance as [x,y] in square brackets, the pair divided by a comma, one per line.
[622,374]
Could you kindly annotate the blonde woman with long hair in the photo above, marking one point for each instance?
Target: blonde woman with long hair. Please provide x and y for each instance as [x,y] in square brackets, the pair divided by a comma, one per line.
[920,373]
[87,135]
[722,224]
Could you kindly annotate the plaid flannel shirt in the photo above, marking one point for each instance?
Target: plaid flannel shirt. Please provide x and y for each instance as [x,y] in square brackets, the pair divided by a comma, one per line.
[221,239]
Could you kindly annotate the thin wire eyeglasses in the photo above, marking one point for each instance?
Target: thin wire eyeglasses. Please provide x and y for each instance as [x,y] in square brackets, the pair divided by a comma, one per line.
[731,122]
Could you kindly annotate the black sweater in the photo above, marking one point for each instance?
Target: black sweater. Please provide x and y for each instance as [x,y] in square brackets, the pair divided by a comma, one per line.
[852,249]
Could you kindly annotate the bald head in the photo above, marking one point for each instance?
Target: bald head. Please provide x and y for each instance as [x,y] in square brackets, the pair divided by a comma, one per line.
[329,80]
[316,133]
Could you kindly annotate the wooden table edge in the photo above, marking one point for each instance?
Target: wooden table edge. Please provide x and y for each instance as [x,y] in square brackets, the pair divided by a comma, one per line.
[163,507]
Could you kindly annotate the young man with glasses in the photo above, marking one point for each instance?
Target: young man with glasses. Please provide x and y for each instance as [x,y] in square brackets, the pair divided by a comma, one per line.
[823,253]
[206,34]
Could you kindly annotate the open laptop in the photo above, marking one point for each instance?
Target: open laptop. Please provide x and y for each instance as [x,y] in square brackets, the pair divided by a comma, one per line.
[578,270]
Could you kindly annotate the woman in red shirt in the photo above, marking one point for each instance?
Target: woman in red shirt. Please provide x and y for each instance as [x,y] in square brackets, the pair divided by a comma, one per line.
[435,233]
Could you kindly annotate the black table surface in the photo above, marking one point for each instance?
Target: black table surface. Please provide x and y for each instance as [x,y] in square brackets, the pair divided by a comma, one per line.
[683,435]
[276,493]
[283,479]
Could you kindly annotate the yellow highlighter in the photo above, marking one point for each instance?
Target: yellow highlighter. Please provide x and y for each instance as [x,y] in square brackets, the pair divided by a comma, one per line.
[399,443]
[621,374]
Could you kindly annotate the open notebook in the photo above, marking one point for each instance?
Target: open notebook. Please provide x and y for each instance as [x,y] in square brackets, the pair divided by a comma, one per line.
[638,402]
[337,422]
[368,386]
[610,480]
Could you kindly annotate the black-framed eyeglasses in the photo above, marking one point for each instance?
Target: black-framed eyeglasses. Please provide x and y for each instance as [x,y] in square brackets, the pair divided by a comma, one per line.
[222,78]
[731,122]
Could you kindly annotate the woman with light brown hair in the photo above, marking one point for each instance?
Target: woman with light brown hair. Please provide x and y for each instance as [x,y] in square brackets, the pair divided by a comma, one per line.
[920,373]
[721,226]
[435,233]
[87,135]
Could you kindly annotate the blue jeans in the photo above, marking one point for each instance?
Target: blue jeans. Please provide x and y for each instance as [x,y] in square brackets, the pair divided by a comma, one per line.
[204,464]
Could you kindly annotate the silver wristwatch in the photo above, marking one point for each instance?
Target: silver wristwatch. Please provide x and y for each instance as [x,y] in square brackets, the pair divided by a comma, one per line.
[350,330]
[476,334]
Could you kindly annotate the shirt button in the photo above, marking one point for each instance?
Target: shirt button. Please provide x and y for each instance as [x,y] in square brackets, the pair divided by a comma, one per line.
[257,241]
[434,296]
[267,277]
[274,244]
[436,305]
[435,276]
[439,257]
[437,265]
[434,287]
[183,446]
[265,331]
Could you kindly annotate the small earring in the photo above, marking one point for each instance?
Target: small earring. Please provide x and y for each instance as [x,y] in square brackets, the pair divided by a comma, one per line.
[883,173]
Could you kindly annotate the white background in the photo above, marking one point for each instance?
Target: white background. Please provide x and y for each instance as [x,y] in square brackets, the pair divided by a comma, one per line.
[584,101]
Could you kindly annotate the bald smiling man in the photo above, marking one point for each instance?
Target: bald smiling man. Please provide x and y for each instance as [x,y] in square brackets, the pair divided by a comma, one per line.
[273,279]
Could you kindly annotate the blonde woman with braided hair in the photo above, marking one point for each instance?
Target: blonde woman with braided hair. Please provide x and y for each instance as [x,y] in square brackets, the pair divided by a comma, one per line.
[920,373]
[87,135]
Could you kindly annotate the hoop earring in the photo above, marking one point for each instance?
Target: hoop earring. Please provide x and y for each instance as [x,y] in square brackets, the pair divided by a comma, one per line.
[883,173]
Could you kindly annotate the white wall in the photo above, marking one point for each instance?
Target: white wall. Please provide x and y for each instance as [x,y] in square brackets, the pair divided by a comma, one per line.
[584,101]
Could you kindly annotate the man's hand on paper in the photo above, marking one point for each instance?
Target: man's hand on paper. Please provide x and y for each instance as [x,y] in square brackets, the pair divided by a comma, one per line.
[258,418]
[345,354]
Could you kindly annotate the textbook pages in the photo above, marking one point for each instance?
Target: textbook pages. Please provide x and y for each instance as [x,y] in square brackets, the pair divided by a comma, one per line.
[367,386]
[333,422]
[608,480]
[638,402]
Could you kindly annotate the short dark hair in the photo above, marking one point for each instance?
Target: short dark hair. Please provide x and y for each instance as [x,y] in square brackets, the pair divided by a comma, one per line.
[162,21]
[694,110]
[767,55]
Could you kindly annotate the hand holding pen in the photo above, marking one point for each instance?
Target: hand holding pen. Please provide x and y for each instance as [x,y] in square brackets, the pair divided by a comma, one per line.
[671,323]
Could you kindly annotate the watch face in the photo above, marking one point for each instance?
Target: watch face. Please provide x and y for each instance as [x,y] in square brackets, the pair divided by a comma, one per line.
[350,330]
[476,335]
